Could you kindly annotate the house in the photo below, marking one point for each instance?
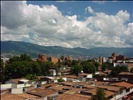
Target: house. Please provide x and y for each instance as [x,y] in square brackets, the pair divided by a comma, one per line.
[52,72]
[18,81]
[50,79]
[41,80]
[61,89]
[44,93]
[126,91]
[127,76]
[66,96]
[11,97]
[92,92]
[84,77]
[72,78]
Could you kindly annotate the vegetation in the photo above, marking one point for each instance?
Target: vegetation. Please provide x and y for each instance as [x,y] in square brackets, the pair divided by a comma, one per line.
[76,69]
[23,47]
[23,66]
[105,66]
[31,76]
[89,68]
[116,70]
[100,95]
[1,65]
[61,80]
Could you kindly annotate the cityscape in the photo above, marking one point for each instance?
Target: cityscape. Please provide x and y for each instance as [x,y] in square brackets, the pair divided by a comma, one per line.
[66,50]
[63,78]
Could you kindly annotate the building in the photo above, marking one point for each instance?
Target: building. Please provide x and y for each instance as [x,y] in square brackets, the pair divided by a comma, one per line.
[125,92]
[114,56]
[54,60]
[100,60]
[120,57]
[46,94]
[42,57]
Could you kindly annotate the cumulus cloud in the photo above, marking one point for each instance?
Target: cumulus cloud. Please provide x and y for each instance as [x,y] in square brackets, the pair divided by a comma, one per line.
[89,9]
[47,26]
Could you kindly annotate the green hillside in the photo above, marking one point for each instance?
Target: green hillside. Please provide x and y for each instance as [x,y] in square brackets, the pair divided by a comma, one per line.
[33,50]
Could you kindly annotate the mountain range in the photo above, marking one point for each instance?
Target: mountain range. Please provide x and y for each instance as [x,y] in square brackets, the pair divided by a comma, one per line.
[17,47]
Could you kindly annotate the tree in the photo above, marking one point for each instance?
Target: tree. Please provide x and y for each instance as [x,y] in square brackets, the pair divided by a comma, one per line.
[89,68]
[116,70]
[75,62]
[100,95]
[1,65]
[2,78]
[31,76]
[61,80]
[131,70]
[105,66]
[23,57]
[45,67]
[76,69]
[96,65]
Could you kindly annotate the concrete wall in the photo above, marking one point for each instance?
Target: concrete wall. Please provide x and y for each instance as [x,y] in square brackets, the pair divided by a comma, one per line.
[22,85]
[8,86]
[17,90]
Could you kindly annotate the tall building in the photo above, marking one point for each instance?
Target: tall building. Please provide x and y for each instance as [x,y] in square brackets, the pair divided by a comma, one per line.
[42,57]
[100,60]
[114,56]
[120,57]
[54,60]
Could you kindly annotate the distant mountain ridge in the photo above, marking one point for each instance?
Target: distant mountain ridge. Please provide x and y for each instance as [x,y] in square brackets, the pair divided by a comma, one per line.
[33,50]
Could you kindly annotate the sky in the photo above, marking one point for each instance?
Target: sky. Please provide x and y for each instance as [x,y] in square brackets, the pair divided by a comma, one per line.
[70,24]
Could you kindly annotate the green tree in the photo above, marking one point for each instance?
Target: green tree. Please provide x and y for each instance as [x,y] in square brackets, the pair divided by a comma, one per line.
[75,62]
[2,78]
[1,65]
[25,57]
[105,66]
[116,70]
[89,68]
[31,76]
[62,57]
[45,67]
[96,65]
[100,95]
[61,80]
[76,69]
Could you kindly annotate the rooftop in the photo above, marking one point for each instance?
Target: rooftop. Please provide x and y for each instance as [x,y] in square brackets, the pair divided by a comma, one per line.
[73,97]
[123,84]
[41,92]
[11,97]
[94,90]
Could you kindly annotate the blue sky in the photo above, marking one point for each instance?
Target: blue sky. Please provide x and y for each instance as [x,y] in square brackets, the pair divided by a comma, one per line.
[78,7]
[69,24]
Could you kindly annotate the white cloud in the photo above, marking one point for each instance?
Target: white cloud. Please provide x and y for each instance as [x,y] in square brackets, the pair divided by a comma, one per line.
[89,9]
[99,2]
[49,27]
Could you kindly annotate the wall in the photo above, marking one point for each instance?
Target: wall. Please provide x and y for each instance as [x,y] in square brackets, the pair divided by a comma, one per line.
[8,86]
[17,90]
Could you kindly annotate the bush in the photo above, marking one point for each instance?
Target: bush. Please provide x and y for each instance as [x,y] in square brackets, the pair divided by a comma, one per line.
[61,80]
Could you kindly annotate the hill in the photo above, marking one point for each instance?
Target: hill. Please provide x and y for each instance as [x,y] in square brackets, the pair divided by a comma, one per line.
[33,50]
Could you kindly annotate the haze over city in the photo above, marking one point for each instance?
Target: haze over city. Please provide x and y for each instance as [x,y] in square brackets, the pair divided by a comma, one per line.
[69,24]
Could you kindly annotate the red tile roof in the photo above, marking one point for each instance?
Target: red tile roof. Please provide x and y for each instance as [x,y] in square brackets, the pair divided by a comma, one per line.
[123,84]
[72,97]
[11,97]
[41,92]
